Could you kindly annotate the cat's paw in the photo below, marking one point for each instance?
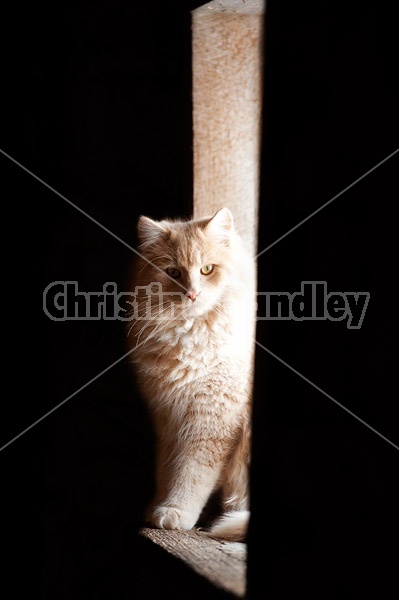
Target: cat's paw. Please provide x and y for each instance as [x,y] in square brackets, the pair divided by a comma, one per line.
[169,517]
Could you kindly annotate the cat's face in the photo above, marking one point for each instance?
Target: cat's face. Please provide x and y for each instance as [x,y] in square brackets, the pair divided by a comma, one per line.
[191,260]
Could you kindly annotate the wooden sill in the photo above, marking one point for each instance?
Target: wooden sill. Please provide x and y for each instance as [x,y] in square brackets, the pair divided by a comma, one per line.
[222,563]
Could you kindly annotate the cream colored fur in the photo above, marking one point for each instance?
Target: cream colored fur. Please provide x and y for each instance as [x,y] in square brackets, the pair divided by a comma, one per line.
[194,367]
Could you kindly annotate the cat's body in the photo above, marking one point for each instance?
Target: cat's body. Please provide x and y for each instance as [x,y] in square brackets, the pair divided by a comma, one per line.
[194,366]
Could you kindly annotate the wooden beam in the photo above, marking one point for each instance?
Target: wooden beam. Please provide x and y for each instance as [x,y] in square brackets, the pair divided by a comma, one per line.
[222,563]
[227,102]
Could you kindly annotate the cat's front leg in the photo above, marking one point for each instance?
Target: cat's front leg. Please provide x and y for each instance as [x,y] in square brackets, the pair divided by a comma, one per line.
[184,484]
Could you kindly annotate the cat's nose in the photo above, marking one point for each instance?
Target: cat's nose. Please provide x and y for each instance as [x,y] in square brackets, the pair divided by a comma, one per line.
[192,294]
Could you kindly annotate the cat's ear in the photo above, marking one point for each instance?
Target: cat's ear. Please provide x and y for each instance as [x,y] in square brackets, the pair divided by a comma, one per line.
[148,230]
[220,225]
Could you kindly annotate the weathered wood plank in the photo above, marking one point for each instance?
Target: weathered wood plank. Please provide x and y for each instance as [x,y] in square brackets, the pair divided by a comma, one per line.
[223,563]
[227,38]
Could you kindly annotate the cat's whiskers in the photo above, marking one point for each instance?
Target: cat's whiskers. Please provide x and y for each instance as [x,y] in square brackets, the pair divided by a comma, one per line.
[155,330]
[217,307]
[155,319]
[143,301]
[139,333]
[146,264]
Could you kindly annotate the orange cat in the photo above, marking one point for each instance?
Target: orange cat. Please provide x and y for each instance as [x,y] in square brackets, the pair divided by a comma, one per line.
[194,330]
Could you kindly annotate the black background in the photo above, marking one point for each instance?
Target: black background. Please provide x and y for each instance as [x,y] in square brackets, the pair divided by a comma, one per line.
[97,104]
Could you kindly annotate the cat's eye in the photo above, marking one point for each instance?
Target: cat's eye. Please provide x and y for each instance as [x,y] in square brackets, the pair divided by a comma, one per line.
[173,272]
[206,269]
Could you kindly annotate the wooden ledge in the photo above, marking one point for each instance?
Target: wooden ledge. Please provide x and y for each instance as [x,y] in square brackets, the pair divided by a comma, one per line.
[243,7]
[222,563]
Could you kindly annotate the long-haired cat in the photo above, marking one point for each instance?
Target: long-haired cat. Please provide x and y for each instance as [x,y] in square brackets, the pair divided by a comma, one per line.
[193,337]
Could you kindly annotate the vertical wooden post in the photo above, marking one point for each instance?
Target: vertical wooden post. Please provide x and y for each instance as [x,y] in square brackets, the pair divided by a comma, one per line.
[227,102]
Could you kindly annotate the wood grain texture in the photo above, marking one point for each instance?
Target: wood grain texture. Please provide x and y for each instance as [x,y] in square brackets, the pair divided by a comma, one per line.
[223,563]
[227,102]
[252,7]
